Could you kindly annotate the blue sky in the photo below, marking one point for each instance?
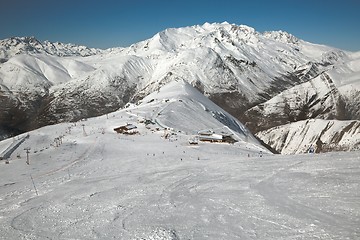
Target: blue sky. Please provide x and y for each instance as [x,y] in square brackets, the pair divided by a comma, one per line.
[111,23]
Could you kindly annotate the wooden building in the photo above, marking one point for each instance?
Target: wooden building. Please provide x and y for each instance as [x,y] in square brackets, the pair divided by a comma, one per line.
[126,129]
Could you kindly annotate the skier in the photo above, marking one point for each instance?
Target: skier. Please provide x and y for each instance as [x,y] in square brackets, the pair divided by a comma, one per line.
[311,149]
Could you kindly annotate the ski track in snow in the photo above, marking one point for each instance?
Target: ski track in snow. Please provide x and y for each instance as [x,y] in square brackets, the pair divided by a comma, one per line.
[230,199]
[276,197]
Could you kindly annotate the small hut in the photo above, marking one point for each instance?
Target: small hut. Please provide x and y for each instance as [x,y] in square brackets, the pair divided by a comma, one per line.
[228,138]
[128,129]
[194,140]
[209,136]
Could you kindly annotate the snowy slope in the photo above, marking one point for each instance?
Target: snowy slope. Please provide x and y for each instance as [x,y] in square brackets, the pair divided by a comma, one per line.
[322,135]
[25,82]
[334,94]
[32,73]
[317,98]
[180,106]
[85,181]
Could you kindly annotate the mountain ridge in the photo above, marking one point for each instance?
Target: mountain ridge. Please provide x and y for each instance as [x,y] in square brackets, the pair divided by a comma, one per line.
[30,45]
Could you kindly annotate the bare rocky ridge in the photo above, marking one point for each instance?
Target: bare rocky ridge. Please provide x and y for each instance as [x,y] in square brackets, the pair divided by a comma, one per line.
[319,135]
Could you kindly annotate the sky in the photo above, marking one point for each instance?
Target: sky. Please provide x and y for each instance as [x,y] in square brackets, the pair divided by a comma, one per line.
[120,23]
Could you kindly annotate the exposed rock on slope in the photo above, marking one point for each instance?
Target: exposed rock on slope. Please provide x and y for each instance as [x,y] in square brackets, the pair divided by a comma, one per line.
[317,98]
[333,95]
[322,135]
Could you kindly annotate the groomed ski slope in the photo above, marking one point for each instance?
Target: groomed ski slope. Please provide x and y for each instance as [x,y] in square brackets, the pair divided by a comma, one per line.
[97,184]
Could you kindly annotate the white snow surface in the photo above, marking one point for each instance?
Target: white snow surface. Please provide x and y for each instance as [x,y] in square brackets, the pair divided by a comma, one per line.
[98,184]
[180,106]
[32,73]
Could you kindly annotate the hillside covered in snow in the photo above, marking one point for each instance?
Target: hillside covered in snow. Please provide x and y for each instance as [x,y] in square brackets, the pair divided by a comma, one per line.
[265,79]
[139,173]
[316,134]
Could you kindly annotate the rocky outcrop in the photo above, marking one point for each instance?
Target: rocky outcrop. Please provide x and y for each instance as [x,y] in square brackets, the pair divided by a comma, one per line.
[317,134]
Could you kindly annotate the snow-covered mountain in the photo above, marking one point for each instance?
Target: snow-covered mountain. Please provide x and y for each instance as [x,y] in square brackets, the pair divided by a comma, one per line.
[235,66]
[314,134]
[333,95]
[30,45]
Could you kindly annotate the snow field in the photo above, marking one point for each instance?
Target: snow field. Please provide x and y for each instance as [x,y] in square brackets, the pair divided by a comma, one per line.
[102,185]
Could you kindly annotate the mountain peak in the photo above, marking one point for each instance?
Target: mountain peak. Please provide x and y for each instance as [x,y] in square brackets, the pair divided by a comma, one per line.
[281,36]
[214,24]
[227,25]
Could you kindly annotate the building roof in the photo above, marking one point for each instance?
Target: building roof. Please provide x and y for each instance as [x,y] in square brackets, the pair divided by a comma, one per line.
[126,127]
[213,137]
[206,132]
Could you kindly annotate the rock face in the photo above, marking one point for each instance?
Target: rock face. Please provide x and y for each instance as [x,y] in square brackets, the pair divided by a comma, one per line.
[263,79]
[319,135]
[317,98]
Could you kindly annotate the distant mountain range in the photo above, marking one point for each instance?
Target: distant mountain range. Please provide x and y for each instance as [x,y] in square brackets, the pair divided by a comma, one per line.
[30,45]
[270,81]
